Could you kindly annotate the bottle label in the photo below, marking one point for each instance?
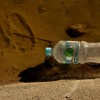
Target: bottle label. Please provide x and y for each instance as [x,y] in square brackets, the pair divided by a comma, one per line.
[71,52]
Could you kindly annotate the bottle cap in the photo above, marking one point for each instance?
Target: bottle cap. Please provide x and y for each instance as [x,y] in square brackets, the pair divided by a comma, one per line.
[48,51]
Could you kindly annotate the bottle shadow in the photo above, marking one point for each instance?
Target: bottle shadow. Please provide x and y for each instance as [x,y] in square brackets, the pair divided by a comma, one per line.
[50,70]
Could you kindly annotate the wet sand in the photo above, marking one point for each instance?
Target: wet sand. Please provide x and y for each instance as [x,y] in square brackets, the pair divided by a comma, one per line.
[27,27]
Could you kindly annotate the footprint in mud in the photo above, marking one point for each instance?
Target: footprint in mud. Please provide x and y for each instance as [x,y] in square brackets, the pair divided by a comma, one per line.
[4,39]
[21,33]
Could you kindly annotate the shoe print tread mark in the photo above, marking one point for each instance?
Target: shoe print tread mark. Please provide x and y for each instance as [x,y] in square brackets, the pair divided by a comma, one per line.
[22,35]
[4,40]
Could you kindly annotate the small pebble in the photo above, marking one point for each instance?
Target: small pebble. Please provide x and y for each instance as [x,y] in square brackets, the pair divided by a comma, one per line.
[15,68]
[41,9]
[75,30]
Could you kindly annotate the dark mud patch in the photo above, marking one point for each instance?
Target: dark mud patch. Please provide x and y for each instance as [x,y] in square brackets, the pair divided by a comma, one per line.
[52,71]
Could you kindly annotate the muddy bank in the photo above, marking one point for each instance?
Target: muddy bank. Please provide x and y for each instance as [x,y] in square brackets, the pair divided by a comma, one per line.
[28,26]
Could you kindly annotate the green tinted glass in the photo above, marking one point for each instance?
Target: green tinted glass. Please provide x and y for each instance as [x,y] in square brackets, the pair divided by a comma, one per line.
[69,52]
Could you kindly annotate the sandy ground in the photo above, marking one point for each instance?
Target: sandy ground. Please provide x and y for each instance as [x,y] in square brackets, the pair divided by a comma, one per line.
[59,90]
[28,26]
